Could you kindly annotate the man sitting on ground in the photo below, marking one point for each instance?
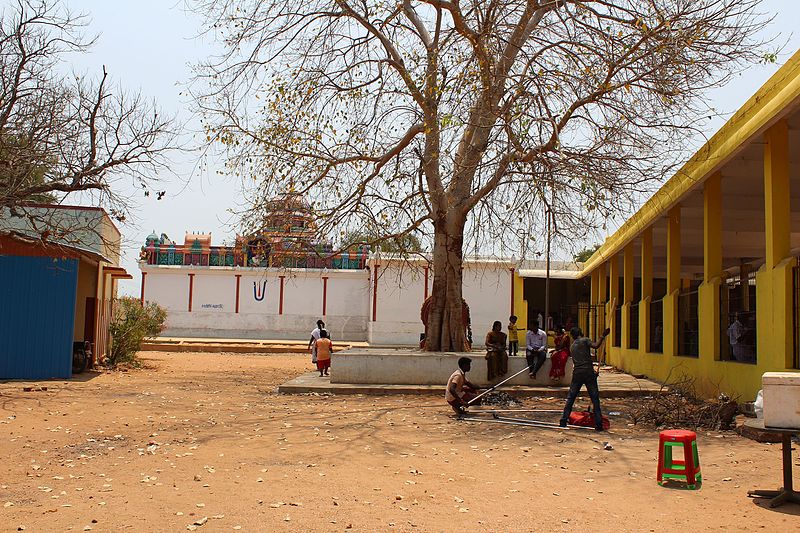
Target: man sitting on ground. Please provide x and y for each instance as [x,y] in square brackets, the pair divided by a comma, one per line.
[459,390]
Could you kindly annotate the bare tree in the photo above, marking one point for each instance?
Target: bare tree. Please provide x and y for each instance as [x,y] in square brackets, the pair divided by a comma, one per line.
[464,118]
[65,136]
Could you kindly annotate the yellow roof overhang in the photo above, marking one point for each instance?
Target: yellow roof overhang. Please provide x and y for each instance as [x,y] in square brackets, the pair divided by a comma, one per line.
[771,102]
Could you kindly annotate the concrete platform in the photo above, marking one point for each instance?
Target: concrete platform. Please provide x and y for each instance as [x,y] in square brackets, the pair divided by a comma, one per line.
[408,366]
[612,385]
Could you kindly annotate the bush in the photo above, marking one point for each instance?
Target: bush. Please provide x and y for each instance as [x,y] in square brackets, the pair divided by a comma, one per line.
[132,324]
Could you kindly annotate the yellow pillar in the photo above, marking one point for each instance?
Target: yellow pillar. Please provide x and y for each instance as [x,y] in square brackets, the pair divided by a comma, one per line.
[627,297]
[673,281]
[602,283]
[520,305]
[776,193]
[602,307]
[647,263]
[712,227]
[647,290]
[774,280]
[594,299]
[708,292]
[613,295]
[628,273]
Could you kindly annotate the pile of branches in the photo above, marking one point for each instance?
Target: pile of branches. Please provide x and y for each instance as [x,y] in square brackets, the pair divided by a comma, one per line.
[500,399]
[677,406]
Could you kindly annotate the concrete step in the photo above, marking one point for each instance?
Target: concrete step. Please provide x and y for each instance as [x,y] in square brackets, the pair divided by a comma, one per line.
[231,346]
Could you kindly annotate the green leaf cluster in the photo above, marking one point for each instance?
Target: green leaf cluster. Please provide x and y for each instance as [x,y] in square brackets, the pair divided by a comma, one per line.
[133,322]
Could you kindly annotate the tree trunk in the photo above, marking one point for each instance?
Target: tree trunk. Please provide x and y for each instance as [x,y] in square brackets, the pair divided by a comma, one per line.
[445,330]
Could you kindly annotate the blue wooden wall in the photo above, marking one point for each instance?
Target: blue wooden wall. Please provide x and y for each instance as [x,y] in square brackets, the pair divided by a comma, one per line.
[37,316]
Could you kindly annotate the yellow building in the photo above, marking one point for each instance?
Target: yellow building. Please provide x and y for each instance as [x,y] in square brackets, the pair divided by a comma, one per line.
[703,280]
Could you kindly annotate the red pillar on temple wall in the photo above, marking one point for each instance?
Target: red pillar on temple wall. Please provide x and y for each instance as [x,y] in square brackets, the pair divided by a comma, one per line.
[425,297]
[324,295]
[191,289]
[375,294]
[238,280]
[280,301]
[512,289]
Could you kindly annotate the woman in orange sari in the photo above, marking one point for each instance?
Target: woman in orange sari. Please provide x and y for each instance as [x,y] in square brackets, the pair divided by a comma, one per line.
[559,358]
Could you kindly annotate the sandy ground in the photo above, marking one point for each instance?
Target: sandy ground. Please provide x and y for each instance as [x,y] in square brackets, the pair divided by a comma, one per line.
[204,438]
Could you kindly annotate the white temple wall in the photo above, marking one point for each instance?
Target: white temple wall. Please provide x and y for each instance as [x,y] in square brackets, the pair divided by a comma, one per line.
[170,285]
[345,302]
[487,290]
[260,314]
[215,294]
[401,291]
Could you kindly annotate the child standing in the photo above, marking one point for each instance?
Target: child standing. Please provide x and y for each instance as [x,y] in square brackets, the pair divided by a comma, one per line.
[324,349]
[513,335]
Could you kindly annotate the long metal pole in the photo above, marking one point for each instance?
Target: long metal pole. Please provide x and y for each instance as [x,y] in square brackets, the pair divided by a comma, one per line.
[547,277]
[487,391]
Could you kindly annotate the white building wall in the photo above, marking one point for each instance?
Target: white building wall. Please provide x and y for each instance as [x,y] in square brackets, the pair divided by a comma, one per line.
[487,291]
[255,285]
[348,302]
[401,291]
[168,287]
[214,313]
[214,293]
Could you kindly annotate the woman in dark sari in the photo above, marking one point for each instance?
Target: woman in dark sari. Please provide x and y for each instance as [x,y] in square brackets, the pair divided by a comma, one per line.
[559,358]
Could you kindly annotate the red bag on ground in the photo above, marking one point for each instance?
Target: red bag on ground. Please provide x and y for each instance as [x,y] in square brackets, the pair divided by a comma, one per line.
[585,418]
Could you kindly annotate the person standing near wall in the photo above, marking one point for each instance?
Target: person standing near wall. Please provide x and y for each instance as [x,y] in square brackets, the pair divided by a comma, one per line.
[312,342]
[324,348]
[584,374]
[559,358]
[736,332]
[496,355]
[513,336]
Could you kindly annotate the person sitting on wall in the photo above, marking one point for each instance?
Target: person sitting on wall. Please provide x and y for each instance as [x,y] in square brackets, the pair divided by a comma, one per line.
[459,391]
[496,355]
[535,348]
[559,358]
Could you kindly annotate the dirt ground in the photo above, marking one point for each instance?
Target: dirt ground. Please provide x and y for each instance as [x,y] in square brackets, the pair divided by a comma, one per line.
[205,438]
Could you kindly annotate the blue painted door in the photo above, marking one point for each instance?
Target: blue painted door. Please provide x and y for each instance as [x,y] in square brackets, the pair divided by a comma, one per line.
[37,316]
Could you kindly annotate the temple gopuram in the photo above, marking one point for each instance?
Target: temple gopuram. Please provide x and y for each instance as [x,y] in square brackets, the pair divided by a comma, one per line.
[287,239]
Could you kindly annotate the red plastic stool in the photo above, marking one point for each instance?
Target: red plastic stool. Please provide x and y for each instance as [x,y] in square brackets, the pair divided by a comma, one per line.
[686,469]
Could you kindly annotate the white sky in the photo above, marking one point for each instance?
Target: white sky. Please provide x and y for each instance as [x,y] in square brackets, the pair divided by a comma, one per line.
[149,45]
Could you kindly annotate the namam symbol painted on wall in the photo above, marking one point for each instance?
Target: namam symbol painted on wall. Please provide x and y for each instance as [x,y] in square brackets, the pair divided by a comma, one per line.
[259,291]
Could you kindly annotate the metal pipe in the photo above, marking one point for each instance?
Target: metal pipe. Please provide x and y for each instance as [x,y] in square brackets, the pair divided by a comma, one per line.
[547,277]
[539,422]
[513,423]
[517,411]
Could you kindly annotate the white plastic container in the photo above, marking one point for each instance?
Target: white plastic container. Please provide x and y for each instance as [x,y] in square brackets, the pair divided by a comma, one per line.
[781,399]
